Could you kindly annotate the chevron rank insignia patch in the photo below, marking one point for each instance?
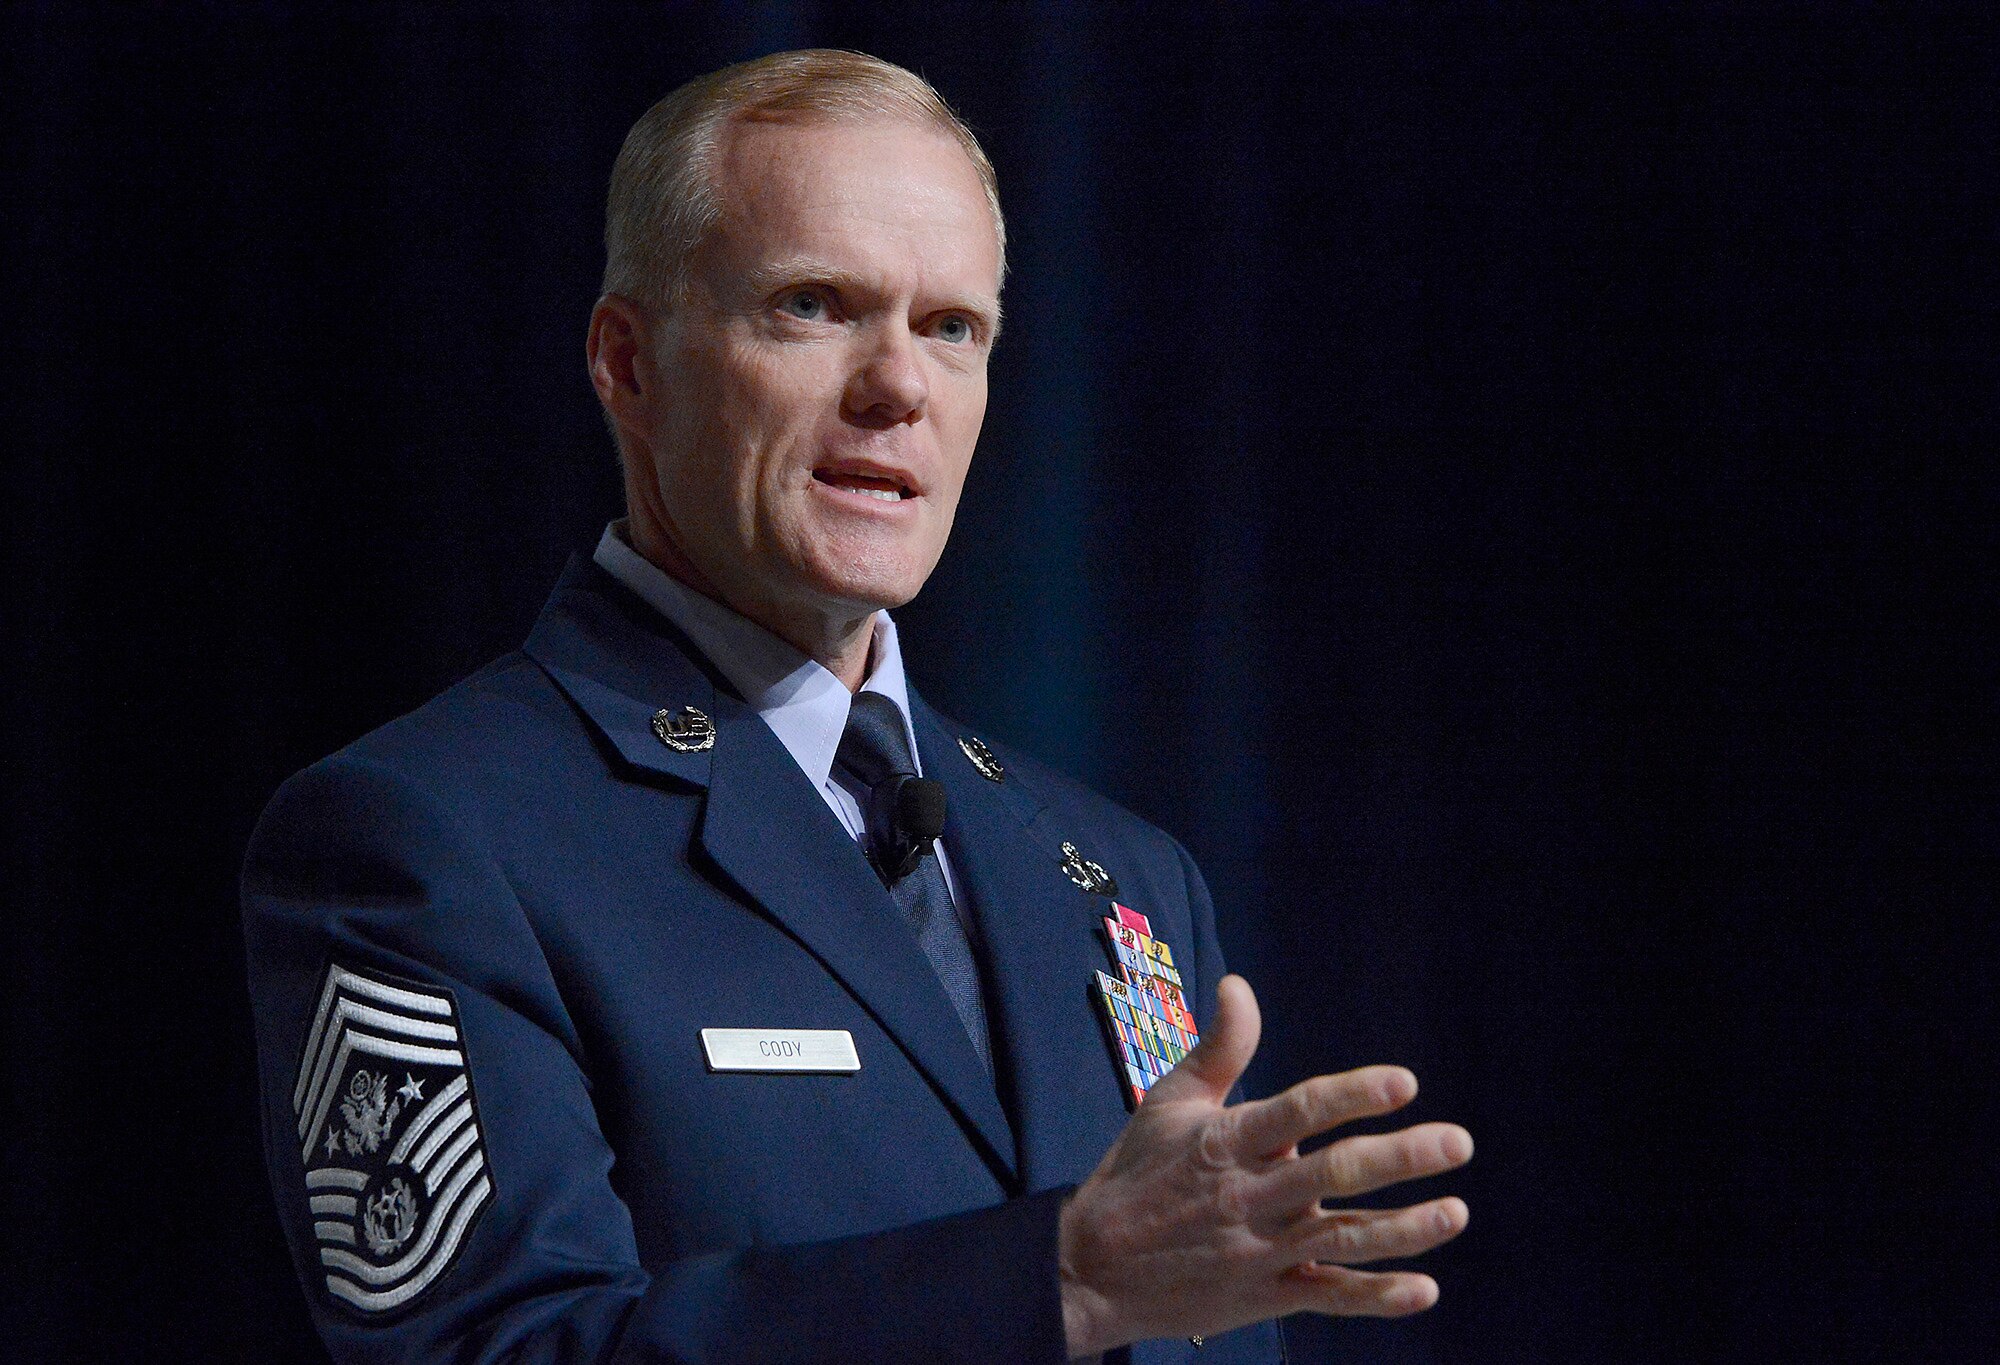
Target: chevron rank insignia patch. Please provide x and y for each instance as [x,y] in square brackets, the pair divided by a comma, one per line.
[395,1167]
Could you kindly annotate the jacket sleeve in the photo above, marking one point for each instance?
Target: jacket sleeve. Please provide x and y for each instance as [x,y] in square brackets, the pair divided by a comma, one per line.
[384,940]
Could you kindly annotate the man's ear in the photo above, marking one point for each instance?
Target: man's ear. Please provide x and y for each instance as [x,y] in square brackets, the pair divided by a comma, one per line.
[619,352]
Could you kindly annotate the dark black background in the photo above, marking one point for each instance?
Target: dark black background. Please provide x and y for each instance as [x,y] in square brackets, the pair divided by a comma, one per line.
[1513,491]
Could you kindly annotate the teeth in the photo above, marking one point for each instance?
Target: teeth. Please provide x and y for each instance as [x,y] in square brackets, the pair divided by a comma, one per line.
[867,485]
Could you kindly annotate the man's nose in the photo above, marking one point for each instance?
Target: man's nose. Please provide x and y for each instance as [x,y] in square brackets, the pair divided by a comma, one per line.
[888,386]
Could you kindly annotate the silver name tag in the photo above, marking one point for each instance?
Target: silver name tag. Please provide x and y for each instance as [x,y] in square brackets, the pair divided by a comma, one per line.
[780,1049]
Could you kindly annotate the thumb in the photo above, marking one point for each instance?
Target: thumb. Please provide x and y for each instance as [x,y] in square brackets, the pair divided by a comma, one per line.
[1217,1062]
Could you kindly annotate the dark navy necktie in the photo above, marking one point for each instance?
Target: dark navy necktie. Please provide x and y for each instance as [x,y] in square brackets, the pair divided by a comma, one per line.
[875,751]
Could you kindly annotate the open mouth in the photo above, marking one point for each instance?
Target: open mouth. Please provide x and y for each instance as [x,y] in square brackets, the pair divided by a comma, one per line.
[867,485]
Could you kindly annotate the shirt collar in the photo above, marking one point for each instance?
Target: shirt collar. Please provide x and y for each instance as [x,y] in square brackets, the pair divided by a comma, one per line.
[798,697]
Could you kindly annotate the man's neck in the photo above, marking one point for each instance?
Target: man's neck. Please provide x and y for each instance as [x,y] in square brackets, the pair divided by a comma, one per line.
[841,645]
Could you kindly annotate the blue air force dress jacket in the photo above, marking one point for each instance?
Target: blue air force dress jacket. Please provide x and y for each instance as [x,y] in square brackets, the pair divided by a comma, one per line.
[484,940]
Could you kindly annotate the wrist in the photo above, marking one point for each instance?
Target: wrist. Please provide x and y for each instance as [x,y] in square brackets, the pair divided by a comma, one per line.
[1086,1313]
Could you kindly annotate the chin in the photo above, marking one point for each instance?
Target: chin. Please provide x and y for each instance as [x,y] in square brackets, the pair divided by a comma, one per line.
[870,586]
[869,576]
[870,593]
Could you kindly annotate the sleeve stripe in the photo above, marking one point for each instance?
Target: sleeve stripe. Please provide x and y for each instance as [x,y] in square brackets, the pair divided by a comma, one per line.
[424,1120]
[421,1002]
[324,1176]
[339,979]
[435,1176]
[313,1038]
[451,1123]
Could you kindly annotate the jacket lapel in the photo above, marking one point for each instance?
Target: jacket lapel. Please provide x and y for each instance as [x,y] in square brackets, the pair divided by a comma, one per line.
[619,662]
[1042,940]
[764,828]
[820,887]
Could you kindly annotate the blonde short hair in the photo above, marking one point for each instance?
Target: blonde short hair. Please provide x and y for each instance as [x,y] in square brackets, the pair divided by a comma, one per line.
[662,202]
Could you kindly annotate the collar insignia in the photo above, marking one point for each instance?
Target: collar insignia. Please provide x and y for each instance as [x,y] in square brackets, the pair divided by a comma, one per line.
[686,731]
[982,758]
[1089,875]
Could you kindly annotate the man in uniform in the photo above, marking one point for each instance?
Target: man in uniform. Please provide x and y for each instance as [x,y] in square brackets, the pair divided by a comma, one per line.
[681,987]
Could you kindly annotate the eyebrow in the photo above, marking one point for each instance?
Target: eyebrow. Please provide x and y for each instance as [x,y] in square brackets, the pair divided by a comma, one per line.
[775,275]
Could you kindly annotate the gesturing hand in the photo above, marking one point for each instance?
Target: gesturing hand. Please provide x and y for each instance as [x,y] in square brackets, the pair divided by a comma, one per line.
[1203,1216]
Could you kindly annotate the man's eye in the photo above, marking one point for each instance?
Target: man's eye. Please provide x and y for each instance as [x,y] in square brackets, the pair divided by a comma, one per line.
[957,331]
[805,304]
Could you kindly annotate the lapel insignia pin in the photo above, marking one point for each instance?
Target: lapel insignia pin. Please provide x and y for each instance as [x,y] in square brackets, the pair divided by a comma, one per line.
[685,731]
[1090,876]
[1143,1004]
[982,758]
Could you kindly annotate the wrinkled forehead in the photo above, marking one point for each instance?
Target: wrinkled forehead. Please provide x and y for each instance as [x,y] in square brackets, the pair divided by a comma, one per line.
[801,184]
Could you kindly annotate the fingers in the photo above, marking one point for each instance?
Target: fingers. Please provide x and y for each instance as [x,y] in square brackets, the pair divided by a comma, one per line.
[1359,1293]
[1357,1236]
[1217,1062]
[1357,1165]
[1267,1127]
